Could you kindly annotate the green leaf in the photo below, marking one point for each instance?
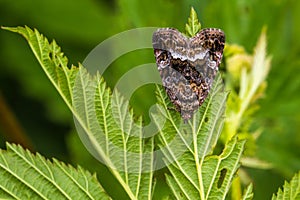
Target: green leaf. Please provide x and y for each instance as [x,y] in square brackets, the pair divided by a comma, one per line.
[248,194]
[193,26]
[196,174]
[52,60]
[290,190]
[24,175]
[210,178]
[103,119]
[107,127]
[251,74]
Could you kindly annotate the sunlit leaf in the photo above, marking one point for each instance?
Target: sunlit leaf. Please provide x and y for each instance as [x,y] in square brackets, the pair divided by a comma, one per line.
[193,26]
[24,175]
[290,190]
[104,121]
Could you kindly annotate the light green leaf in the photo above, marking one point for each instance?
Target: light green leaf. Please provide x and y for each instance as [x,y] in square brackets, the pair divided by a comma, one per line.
[107,127]
[193,26]
[248,194]
[208,179]
[260,68]
[24,175]
[103,119]
[290,190]
[196,174]
[52,60]
[251,73]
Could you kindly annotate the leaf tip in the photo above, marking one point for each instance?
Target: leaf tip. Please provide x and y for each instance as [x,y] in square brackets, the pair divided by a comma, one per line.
[193,26]
[8,28]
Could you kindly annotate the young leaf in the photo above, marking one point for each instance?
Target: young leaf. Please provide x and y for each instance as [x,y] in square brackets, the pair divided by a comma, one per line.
[27,176]
[290,190]
[250,72]
[103,119]
[248,194]
[193,26]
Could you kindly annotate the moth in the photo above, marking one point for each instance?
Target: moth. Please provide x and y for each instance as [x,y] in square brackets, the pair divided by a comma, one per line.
[188,66]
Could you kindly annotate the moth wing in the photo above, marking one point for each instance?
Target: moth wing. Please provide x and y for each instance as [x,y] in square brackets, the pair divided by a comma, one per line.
[171,40]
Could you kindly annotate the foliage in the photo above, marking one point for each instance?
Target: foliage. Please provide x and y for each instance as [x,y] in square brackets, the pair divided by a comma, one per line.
[80,25]
[193,26]
[24,175]
[194,170]
[77,87]
[290,190]
[246,80]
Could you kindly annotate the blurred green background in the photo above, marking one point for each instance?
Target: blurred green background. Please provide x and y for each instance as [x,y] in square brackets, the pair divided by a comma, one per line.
[30,105]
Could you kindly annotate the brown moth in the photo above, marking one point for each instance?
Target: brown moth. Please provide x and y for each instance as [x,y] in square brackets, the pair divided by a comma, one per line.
[188,66]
